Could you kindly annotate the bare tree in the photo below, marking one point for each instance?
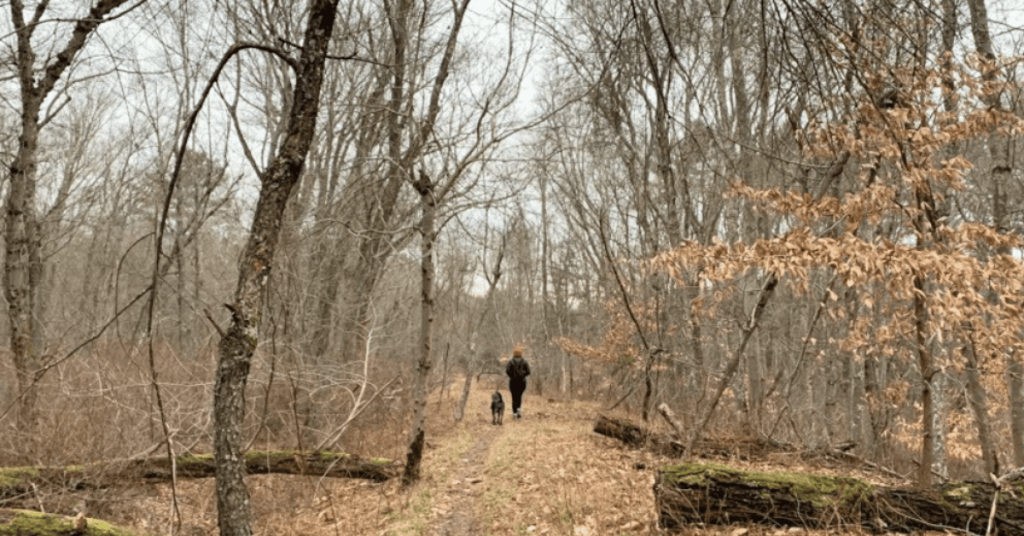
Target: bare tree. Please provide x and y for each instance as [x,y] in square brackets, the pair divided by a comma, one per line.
[22,263]
[236,347]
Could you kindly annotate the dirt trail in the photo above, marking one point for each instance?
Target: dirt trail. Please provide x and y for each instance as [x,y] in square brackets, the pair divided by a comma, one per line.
[546,473]
[463,490]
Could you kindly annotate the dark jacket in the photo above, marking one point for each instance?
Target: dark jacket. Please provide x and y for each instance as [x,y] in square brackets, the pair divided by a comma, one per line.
[517,368]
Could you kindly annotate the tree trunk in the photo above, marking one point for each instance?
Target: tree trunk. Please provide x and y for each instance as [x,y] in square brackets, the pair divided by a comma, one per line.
[460,411]
[236,347]
[22,266]
[1015,379]
[19,284]
[999,149]
[718,495]
[624,431]
[428,204]
[979,404]
[925,225]
[670,418]
[755,316]
[492,284]
[924,363]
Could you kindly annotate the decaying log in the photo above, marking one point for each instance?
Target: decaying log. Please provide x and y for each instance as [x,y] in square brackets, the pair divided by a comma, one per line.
[622,430]
[717,494]
[18,481]
[27,522]
[322,463]
[666,444]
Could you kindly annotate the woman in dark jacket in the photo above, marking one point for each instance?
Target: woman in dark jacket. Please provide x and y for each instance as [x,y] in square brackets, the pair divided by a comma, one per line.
[517,370]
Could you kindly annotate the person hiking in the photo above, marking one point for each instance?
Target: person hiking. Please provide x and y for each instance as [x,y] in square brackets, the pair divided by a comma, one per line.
[517,370]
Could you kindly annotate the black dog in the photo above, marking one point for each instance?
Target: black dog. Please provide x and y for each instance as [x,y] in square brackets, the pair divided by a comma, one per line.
[497,408]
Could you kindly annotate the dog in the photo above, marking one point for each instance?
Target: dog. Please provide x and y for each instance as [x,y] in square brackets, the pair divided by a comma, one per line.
[497,408]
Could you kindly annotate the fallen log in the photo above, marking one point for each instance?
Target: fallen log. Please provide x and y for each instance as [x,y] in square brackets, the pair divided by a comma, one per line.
[622,430]
[20,481]
[322,463]
[28,522]
[637,436]
[717,494]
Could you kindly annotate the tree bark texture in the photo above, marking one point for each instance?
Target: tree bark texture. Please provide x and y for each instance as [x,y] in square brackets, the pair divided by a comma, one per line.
[716,494]
[979,404]
[236,347]
[1015,380]
[22,262]
[925,224]
[425,188]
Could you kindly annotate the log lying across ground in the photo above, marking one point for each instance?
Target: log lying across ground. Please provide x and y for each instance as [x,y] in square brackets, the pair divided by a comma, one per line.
[25,522]
[715,494]
[18,481]
[637,436]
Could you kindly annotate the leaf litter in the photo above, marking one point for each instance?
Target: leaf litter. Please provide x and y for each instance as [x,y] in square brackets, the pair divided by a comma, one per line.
[547,473]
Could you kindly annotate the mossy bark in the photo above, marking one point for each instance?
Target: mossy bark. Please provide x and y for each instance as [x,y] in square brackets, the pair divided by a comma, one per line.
[716,494]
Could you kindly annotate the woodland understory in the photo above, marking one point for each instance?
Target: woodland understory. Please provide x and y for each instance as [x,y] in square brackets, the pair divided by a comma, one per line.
[239,226]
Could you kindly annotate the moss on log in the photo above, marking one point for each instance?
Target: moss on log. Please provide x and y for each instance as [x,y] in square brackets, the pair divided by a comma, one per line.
[717,494]
[29,523]
[18,481]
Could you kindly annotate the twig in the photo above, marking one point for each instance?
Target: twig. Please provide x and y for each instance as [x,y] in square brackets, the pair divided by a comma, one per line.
[356,408]
[214,322]
[38,376]
[669,416]
[1011,475]
[885,470]
[266,394]
[995,502]
[803,355]
[35,490]
[336,435]
[624,397]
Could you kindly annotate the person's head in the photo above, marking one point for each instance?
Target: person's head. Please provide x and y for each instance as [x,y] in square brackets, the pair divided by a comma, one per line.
[517,351]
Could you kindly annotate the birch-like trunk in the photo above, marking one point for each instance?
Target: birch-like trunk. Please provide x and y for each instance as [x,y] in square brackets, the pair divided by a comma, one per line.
[428,205]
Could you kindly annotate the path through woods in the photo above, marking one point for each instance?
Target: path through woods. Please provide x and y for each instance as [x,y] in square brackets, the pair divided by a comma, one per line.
[548,473]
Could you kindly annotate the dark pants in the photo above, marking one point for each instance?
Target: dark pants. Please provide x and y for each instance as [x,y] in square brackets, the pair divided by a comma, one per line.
[517,387]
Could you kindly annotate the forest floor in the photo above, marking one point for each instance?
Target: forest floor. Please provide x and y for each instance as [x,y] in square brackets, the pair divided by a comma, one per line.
[547,473]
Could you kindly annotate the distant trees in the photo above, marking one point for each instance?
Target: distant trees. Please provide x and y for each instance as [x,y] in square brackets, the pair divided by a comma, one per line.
[774,133]
[788,219]
[23,266]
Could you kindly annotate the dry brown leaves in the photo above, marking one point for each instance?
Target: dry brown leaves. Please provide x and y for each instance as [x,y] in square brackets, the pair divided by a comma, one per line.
[545,474]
